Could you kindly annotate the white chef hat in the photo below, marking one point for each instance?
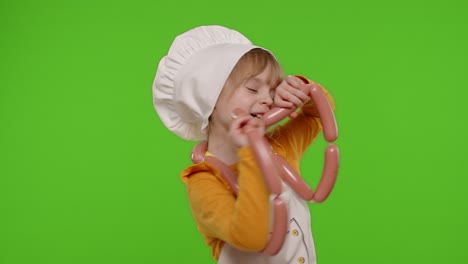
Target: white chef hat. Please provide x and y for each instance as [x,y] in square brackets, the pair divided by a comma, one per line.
[191,76]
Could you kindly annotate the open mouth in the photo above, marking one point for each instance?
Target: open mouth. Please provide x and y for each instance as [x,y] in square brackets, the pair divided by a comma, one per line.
[257,115]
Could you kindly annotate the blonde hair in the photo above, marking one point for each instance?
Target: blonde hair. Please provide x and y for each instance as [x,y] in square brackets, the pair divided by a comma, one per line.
[251,64]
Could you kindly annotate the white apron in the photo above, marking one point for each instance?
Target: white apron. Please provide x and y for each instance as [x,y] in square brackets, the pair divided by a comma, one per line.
[298,246]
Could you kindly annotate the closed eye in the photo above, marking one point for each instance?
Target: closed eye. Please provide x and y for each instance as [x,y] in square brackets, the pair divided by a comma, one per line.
[251,89]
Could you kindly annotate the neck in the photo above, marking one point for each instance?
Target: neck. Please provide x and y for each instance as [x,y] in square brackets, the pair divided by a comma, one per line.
[222,147]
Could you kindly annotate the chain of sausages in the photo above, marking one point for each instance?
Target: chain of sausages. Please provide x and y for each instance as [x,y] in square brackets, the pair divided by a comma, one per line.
[274,167]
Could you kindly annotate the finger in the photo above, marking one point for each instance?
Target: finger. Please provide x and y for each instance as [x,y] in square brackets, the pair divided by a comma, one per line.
[294,81]
[290,97]
[299,92]
[254,124]
[301,95]
[240,122]
[293,115]
[279,102]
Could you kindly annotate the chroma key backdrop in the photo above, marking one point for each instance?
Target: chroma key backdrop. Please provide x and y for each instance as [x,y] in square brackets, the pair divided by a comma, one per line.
[89,174]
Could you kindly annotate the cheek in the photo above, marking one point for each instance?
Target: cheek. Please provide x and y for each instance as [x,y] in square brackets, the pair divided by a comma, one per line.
[245,103]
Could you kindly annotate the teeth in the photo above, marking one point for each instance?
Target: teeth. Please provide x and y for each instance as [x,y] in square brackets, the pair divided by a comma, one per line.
[256,115]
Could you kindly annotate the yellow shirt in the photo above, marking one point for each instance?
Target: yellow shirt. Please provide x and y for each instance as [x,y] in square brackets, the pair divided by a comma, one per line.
[244,221]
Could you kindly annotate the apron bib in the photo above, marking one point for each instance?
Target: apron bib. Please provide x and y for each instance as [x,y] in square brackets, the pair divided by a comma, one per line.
[298,246]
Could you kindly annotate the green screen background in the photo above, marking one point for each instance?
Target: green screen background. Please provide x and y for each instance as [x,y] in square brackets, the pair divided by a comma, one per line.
[88,173]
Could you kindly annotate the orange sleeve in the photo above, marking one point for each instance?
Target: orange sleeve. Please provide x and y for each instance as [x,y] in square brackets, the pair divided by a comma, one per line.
[298,133]
[243,221]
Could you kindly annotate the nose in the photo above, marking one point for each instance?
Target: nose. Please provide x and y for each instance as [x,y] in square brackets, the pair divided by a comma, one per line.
[266,100]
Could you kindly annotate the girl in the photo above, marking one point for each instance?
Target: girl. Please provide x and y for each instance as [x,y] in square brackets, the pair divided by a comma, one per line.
[209,74]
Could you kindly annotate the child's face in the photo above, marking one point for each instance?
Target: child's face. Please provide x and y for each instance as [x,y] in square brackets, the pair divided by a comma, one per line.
[254,96]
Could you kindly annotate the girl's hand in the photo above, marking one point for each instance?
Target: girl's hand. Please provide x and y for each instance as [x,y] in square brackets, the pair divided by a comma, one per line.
[289,95]
[244,124]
